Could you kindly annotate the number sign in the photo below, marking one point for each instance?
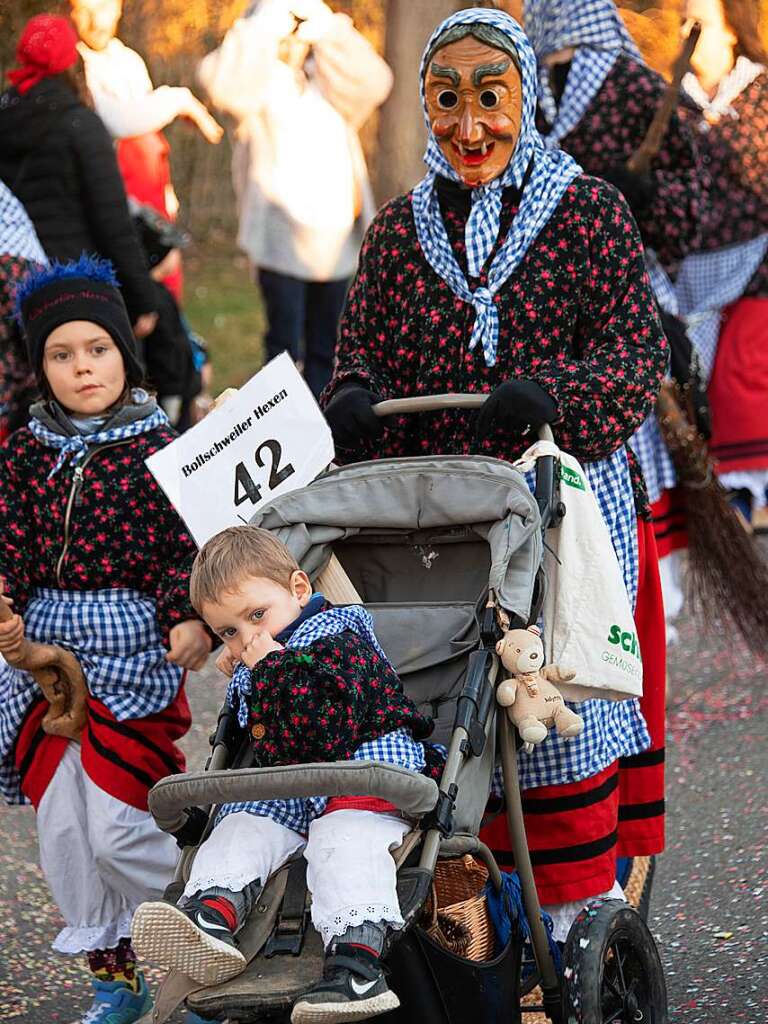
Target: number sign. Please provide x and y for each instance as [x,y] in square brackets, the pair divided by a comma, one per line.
[268,439]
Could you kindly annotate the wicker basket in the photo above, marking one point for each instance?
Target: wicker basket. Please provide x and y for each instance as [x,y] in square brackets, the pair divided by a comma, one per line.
[456,914]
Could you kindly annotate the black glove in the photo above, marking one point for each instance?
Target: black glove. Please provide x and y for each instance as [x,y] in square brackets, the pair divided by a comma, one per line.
[685,371]
[680,346]
[515,407]
[351,418]
[637,189]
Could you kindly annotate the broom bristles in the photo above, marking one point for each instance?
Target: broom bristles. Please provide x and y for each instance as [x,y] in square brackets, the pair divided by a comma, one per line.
[727,574]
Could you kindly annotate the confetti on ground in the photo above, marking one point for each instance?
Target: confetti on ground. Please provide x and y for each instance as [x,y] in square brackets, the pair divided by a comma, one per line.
[709,911]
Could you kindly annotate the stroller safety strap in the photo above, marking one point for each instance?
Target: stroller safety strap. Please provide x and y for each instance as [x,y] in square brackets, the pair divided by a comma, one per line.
[412,793]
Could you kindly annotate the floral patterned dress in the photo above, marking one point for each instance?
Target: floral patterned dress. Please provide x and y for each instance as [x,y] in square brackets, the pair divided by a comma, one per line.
[578,317]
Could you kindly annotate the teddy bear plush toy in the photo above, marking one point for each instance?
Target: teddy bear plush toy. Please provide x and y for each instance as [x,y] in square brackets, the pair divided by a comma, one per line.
[533,703]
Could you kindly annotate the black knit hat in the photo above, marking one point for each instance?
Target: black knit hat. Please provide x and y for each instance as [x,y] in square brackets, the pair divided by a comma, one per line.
[85,289]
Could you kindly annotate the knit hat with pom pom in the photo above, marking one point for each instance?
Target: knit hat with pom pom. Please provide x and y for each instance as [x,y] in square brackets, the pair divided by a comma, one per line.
[85,289]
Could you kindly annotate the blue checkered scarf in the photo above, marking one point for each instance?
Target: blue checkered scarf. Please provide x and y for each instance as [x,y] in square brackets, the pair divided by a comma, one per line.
[76,445]
[327,623]
[549,177]
[595,28]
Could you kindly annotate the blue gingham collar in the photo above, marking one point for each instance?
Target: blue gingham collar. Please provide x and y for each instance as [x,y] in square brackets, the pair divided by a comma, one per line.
[549,175]
[596,30]
[55,432]
[314,606]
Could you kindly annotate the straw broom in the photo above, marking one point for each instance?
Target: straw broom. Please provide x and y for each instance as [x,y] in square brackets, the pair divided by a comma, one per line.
[727,575]
[58,674]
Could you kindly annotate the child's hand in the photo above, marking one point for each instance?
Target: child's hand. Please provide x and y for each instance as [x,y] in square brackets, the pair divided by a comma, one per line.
[190,645]
[11,629]
[257,648]
[11,637]
[226,662]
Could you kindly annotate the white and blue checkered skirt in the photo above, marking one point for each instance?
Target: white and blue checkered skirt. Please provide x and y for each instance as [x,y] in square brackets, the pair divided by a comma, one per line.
[116,638]
[398,748]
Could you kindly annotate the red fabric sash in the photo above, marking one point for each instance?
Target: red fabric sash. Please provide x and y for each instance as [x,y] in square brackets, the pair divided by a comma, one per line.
[668,516]
[125,759]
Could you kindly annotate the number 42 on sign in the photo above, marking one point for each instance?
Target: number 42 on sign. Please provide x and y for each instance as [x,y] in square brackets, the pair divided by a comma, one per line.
[268,438]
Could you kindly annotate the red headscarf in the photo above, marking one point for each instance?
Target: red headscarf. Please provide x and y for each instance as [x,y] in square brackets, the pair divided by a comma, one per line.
[48,46]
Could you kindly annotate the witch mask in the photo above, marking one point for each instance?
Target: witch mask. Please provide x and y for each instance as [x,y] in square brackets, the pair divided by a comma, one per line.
[474,103]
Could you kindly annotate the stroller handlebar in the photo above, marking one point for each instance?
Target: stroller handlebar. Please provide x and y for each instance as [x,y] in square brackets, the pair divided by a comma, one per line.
[433,403]
[547,494]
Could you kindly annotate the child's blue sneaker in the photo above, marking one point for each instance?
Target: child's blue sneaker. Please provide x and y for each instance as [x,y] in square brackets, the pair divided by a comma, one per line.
[114,1002]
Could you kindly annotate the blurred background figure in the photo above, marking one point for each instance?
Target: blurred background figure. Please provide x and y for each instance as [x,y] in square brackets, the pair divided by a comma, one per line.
[597,99]
[729,84]
[299,82]
[20,250]
[135,112]
[58,160]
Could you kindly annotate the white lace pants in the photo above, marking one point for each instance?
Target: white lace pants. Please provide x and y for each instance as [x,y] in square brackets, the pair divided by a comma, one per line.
[350,870]
[101,858]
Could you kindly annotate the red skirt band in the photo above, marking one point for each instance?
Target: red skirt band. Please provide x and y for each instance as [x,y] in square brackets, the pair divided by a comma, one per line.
[668,516]
[125,759]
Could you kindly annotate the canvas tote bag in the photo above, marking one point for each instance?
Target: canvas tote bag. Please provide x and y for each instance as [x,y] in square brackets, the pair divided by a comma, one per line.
[589,625]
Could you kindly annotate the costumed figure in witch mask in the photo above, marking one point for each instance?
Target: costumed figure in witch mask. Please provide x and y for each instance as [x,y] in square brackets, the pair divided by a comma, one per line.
[510,272]
[96,561]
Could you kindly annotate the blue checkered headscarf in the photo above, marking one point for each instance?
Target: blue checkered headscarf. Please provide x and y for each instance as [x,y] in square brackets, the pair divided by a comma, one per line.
[595,29]
[550,176]
[17,234]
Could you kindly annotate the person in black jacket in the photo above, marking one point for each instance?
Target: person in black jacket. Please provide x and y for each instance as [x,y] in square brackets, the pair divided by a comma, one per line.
[57,157]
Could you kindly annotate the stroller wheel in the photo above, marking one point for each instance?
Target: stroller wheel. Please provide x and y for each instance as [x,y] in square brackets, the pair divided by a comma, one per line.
[612,972]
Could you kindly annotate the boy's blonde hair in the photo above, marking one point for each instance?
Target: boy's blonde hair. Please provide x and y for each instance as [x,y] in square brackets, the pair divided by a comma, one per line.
[234,555]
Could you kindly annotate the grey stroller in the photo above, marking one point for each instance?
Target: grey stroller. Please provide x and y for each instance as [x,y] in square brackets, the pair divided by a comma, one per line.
[441,551]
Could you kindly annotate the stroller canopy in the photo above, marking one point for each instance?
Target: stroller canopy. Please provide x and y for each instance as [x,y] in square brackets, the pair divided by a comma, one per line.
[422,540]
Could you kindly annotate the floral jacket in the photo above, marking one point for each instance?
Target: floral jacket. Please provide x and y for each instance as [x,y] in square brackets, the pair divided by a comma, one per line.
[102,525]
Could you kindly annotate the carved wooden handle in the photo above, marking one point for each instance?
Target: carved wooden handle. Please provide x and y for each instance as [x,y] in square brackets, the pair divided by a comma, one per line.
[58,674]
[641,160]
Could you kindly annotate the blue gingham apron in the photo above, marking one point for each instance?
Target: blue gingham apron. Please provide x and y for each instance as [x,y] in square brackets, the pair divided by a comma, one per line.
[115,637]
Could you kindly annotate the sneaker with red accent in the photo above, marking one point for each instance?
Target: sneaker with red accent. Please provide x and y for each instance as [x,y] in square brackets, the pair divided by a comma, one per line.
[196,940]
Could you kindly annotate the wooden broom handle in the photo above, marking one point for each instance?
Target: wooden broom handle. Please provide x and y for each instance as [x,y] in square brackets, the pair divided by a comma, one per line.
[641,160]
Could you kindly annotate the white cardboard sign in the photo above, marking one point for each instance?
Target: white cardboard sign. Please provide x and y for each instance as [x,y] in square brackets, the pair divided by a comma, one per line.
[269,439]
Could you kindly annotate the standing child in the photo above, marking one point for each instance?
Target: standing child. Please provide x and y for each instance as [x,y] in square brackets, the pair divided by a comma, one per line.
[95,560]
[312,684]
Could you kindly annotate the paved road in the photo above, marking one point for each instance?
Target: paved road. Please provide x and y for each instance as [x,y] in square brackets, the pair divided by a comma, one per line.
[710,908]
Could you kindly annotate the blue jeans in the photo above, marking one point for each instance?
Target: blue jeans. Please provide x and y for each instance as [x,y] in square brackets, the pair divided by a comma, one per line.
[303,311]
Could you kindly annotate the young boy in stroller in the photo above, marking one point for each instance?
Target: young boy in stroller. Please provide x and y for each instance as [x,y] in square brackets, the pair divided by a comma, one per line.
[311,684]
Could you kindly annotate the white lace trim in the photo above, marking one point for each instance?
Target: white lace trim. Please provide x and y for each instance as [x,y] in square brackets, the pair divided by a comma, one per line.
[71,941]
[234,882]
[353,917]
